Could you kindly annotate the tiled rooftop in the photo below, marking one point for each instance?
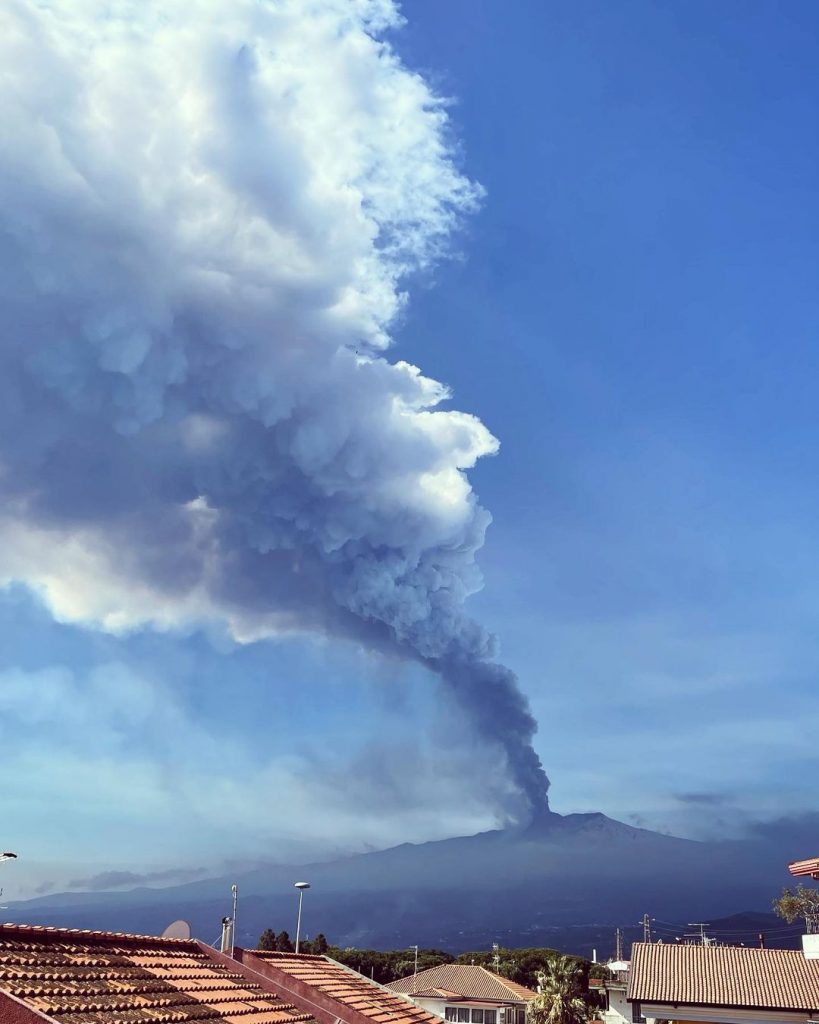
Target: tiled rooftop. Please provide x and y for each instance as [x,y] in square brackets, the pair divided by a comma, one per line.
[809,868]
[773,979]
[77,977]
[470,981]
[346,987]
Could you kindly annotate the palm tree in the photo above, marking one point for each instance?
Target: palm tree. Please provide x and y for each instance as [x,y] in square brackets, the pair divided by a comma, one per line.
[560,996]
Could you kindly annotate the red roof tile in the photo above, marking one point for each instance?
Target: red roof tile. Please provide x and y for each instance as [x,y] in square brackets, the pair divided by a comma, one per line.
[346,987]
[470,981]
[772,979]
[803,868]
[81,977]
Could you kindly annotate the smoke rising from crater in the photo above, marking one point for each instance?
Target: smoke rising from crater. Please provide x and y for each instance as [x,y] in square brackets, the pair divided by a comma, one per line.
[208,212]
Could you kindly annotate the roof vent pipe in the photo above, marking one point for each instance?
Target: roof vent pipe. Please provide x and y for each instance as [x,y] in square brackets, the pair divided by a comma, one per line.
[227,936]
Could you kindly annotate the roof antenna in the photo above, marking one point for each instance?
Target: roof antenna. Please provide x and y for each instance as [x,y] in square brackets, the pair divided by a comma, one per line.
[235,890]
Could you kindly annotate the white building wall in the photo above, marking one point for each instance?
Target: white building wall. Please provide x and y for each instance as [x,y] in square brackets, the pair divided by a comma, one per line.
[619,1011]
[433,1005]
[438,1006]
[721,1015]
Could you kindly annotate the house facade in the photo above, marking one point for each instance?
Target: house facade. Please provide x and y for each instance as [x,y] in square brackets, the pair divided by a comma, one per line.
[467,994]
[613,991]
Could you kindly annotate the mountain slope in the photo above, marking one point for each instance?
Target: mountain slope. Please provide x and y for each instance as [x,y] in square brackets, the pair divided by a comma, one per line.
[518,886]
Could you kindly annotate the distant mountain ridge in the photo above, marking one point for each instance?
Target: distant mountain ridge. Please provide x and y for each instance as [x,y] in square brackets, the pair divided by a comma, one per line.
[565,879]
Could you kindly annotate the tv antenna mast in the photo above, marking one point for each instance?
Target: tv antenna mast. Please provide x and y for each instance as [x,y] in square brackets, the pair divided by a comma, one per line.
[704,940]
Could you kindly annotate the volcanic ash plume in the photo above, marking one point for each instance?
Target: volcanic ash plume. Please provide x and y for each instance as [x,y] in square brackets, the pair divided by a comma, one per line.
[208,212]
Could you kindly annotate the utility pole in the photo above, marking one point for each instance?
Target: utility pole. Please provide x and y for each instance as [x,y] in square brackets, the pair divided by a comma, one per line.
[235,891]
[618,944]
[702,925]
[646,923]
[415,972]
[496,957]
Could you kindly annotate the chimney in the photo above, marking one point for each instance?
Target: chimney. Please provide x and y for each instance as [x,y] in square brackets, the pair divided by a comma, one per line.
[227,936]
[810,940]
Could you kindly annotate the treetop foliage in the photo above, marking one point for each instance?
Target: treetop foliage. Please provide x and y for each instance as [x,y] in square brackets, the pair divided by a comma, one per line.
[802,902]
[561,999]
[520,965]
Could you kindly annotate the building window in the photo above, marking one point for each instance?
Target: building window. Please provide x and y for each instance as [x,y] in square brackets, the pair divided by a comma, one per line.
[470,1015]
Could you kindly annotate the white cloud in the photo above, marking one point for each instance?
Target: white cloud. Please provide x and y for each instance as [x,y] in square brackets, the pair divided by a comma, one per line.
[101,756]
[210,210]
[210,214]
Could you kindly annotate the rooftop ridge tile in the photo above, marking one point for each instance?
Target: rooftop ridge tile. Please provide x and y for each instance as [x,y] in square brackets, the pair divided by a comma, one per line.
[50,932]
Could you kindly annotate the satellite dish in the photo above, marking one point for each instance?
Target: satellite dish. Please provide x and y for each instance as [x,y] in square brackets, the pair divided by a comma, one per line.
[177,930]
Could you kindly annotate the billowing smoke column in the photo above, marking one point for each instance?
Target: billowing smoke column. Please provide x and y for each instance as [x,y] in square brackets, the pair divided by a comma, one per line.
[207,213]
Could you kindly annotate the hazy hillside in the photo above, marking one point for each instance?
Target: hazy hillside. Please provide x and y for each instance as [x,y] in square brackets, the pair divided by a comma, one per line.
[565,882]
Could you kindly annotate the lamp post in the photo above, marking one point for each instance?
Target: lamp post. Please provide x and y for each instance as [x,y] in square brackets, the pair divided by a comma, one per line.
[7,856]
[301,886]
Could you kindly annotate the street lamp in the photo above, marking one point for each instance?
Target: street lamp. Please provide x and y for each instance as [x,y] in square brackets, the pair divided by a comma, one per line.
[301,886]
[7,856]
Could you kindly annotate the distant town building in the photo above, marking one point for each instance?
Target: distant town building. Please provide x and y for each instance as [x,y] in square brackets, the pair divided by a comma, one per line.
[467,994]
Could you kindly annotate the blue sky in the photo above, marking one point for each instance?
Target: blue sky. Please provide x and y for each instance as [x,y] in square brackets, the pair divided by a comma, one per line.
[632,311]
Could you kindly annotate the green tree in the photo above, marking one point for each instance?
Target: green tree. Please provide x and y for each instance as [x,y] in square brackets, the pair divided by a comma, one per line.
[802,902]
[389,965]
[560,999]
[320,945]
[267,940]
[524,965]
[283,943]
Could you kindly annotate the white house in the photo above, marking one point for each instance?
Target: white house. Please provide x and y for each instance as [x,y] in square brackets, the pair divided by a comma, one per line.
[467,994]
[616,1007]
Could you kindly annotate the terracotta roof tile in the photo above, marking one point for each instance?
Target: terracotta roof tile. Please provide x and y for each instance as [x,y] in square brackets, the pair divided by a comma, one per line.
[773,979]
[79,977]
[809,868]
[347,987]
[470,981]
